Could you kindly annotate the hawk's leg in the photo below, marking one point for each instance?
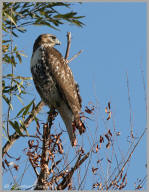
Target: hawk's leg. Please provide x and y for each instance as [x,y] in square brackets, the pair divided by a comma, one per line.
[51,115]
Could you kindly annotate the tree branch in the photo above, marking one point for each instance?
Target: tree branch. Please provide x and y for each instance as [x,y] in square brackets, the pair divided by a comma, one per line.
[15,136]
[68,45]
[76,55]
[68,177]
[42,183]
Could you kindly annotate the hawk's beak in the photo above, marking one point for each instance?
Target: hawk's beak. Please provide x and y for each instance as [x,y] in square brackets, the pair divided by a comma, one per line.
[57,42]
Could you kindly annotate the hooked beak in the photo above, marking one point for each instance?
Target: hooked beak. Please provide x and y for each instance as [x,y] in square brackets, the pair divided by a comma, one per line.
[57,42]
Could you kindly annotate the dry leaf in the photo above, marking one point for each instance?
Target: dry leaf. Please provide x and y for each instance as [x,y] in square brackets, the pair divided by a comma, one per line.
[109,105]
[109,160]
[89,111]
[94,170]
[107,137]
[97,185]
[99,160]
[97,148]
[101,139]
[110,132]
[108,145]
[109,117]
[60,148]
[106,110]
[16,167]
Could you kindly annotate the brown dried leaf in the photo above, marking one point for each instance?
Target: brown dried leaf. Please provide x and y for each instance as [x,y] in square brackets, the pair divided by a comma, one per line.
[109,105]
[121,174]
[106,110]
[124,177]
[96,185]
[109,132]
[109,117]
[94,170]
[97,148]
[7,163]
[101,139]
[89,111]
[139,187]
[99,160]
[16,167]
[3,164]
[17,159]
[30,143]
[109,160]
[60,148]
[108,145]
[107,137]
[81,150]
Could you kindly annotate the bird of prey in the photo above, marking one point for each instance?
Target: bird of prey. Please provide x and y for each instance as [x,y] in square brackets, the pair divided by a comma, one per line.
[55,84]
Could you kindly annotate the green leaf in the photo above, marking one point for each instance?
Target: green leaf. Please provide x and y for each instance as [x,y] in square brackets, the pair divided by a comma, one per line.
[6,99]
[21,111]
[16,127]
[28,107]
[6,137]
[25,109]
[19,89]
[19,57]
[10,18]
[23,126]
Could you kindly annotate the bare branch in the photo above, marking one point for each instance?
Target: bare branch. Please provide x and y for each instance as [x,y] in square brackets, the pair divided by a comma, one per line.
[68,45]
[15,136]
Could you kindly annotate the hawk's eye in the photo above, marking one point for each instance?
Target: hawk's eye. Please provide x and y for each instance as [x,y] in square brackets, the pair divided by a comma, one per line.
[53,37]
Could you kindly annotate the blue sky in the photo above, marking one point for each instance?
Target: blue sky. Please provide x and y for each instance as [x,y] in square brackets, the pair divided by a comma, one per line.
[114,43]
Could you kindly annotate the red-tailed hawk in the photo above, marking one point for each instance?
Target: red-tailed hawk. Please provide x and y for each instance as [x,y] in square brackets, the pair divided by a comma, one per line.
[55,83]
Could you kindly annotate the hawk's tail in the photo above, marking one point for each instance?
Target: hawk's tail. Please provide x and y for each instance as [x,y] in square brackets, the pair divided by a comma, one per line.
[67,117]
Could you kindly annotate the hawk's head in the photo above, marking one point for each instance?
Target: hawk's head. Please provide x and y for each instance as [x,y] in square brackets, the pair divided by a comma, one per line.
[47,39]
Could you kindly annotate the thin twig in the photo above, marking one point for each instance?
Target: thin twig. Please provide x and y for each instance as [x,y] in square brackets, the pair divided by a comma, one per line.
[144,86]
[128,159]
[76,55]
[130,108]
[35,170]
[68,177]
[25,169]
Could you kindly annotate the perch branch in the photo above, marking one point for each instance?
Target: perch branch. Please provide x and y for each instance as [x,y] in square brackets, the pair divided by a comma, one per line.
[42,183]
[68,45]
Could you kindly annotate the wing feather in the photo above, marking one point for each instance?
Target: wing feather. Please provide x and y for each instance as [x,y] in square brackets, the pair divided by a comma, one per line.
[63,76]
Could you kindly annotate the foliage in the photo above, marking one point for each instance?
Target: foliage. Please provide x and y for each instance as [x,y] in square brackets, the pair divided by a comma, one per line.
[16,16]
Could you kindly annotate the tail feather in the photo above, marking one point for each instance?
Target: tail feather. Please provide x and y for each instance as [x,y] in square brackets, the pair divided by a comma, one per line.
[68,117]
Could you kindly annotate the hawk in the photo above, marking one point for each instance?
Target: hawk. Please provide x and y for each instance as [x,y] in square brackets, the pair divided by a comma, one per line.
[55,84]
